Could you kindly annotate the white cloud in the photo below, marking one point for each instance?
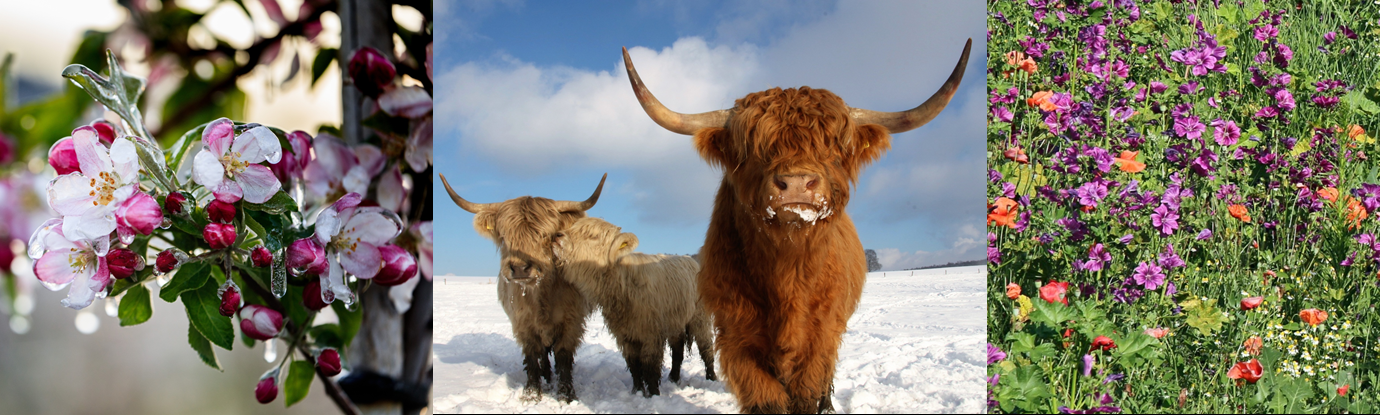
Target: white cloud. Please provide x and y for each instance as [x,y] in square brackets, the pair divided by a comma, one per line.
[968,244]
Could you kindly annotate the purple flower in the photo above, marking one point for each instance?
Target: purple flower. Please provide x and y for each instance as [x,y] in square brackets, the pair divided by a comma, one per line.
[1097,259]
[1267,112]
[1189,127]
[1225,132]
[994,354]
[1126,239]
[1091,192]
[1283,55]
[1265,33]
[994,255]
[1205,234]
[1002,114]
[1088,361]
[1100,156]
[1188,88]
[1369,195]
[1203,164]
[1165,220]
[1158,87]
[1149,275]
[1329,37]
[1169,259]
[1285,100]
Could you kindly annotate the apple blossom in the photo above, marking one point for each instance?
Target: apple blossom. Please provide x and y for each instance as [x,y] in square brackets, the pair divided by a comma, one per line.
[371,72]
[230,301]
[87,199]
[168,260]
[398,266]
[261,257]
[421,232]
[311,295]
[351,236]
[267,388]
[259,322]
[139,214]
[219,211]
[105,130]
[306,257]
[123,263]
[329,362]
[407,102]
[418,151]
[230,167]
[176,204]
[63,157]
[60,261]
[219,235]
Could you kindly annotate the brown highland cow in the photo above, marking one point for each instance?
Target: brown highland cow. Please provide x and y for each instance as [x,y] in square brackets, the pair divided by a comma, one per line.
[547,313]
[782,266]
[647,300]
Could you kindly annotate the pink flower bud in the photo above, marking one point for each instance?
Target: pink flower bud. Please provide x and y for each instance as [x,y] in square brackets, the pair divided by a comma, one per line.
[6,149]
[261,257]
[219,235]
[329,362]
[306,257]
[259,322]
[63,156]
[294,164]
[371,71]
[167,261]
[123,262]
[267,390]
[105,130]
[229,300]
[398,266]
[220,211]
[6,257]
[311,295]
[176,204]
[139,213]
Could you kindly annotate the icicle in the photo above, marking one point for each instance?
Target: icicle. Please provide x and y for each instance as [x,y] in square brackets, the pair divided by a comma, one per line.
[270,351]
[112,306]
[279,275]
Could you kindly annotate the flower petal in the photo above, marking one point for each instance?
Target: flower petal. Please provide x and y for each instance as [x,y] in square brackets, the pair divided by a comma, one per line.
[356,181]
[87,287]
[391,192]
[408,101]
[363,261]
[124,160]
[333,285]
[258,183]
[91,155]
[71,194]
[55,270]
[218,135]
[93,224]
[229,192]
[257,145]
[401,294]
[373,224]
[333,157]
[371,158]
[418,153]
[48,237]
[207,170]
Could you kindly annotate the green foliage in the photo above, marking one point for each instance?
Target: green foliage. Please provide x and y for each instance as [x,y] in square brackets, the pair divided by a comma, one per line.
[135,307]
[203,310]
[298,382]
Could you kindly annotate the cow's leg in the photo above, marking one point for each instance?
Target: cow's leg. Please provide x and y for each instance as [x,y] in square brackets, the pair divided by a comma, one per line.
[630,355]
[743,358]
[826,403]
[531,355]
[677,355]
[565,367]
[652,353]
[704,340]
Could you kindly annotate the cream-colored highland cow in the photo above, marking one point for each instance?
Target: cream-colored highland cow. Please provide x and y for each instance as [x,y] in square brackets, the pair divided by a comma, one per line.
[647,300]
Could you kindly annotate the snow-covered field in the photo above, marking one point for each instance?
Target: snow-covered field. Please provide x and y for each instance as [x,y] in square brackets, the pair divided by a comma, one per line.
[916,344]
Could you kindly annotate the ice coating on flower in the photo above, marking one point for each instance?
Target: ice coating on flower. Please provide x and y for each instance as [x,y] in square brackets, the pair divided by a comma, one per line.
[229,164]
[351,236]
[123,263]
[292,165]
[63,156]
[176,204]
[80,263]
[306,257]
[230,301]
[219,235]
[398,266]
[87,199]
[220,212]
[391,192]
[259,322]
[371,71]
[336,169]
[140,214]
[267,389]
[261,257]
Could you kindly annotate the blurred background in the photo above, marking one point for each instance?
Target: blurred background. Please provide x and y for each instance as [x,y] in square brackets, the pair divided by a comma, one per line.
[274,62]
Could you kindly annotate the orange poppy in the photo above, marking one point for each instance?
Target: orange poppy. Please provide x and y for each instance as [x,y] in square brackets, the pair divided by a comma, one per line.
[1016,154]
[1021,62]
[1248,371]
[1041,99]
[1313,316]
[1013,291]
[1239,212]
[1355,131]
[1127,162]
[1014,58]
[1355,212]
[1158,332]
[1003,212]
[1253,345]
[1054,292]
[1329,193]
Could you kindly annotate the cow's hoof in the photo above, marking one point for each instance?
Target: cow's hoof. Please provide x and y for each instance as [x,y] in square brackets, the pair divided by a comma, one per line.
[566,394]
[531,394]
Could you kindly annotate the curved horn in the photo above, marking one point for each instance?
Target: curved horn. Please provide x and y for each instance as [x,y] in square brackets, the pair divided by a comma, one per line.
[899,122]
[460,201]
[679,123]
[570,205]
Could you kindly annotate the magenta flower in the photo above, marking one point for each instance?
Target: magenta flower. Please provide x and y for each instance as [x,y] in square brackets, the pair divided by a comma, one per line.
[418,151]
[267,388]
[1189,127]
[398,266]
[1149,275]
[306,257]
[259,322]
[1165,220]
[336,169]
[229,165]
[371,71]
[63,156]
[81,263]
[1225,132]
[351,236]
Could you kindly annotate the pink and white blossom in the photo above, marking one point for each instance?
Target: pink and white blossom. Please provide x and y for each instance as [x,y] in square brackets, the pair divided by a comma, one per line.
[259,322]
[336,169]
[352,236]
[80,263]
[140,214]
[88,198]
[406,102]
[229,165]
[418,151]
[421,231]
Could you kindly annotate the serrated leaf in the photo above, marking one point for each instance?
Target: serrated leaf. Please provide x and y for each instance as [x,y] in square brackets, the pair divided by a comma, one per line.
[203,309]
[203,348]
[135,307]
[298,382]
[189,277]
[1053,314]
[1357,100]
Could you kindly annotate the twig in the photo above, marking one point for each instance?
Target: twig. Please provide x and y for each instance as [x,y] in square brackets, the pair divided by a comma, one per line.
[332,389]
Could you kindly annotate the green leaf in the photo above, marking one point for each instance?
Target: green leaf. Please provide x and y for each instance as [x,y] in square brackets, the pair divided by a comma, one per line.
[261,223]
[277,205]
[203,309]
[349,321]
[322,62]
[1053,314]
[1357,100]
[298,381]
[327,335]
[189,277]
[135,307]
[203,348]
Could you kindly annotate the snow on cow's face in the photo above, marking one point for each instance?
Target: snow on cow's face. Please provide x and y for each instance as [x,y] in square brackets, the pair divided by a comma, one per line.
[792,155]
[523,229]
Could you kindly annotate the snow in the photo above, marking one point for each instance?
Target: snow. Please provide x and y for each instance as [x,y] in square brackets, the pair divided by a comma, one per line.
[917,343]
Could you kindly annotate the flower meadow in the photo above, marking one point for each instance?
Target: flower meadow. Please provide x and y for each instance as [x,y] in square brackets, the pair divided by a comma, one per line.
[1182,206]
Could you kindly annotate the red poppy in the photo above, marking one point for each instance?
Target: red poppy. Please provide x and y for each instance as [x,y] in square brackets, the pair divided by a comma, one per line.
[1249,371]
[1342,390]
[1013,291]
[1054,292]
[1158,332]
[1313,316]
[1102,343]
[1250,303]
[1003,212]
[1239,212]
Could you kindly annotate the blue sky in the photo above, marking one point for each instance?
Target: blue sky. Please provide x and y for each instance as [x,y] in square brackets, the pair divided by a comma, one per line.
[531,99]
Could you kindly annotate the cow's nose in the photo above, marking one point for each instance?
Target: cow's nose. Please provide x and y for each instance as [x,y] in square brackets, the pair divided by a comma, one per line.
[796,188]
[520,271]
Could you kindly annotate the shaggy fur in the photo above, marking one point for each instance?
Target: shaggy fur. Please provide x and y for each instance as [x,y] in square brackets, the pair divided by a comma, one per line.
[547,313]
[647,300]
[782,287]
